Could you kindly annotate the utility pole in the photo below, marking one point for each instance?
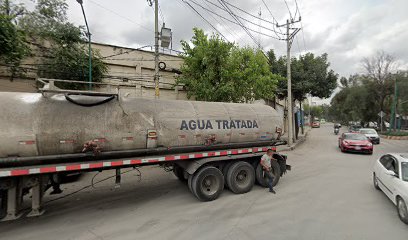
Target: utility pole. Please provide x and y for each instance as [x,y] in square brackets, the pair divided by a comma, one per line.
[289,40]
[89,45]
[156,49]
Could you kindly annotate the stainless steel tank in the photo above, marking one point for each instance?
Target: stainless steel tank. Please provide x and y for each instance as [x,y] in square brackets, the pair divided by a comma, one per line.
[35,125]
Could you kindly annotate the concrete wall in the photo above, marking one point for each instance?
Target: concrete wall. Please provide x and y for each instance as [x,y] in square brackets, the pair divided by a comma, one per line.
[125,65]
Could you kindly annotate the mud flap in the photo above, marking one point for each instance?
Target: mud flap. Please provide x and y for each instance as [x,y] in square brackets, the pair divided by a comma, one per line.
[282,163]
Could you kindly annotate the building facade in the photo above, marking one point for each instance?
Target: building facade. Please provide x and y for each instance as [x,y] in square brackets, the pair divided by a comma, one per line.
[132,67]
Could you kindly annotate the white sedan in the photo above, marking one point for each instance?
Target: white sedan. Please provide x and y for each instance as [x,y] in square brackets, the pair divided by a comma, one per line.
[391,176]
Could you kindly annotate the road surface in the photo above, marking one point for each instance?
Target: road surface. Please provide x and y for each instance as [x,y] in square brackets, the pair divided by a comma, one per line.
[327,195]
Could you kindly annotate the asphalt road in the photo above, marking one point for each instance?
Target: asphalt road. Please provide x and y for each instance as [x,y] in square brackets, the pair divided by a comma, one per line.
[327,195]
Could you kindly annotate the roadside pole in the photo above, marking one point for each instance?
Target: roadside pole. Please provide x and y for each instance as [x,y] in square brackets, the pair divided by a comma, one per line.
[289,40]
[156,49]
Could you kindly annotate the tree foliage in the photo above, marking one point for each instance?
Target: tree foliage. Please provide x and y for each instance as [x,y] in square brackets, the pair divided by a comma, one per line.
[13,47]
[215,70]
[363,96]
[62,51]
[310,75]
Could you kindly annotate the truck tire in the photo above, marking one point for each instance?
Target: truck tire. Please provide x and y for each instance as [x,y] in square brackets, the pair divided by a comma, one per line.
[3,203]
[225,172]
[179,173]
[207,183]
[262,180]
[240,177]
[190,183]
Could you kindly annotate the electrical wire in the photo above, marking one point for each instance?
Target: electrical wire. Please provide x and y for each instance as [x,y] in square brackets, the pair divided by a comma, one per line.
[246,20]
[230,31]
[208,22]
[126,52]
[236,23]
[274,19]
[92,185]
[222,2]
[287,6]
[117,14]
[297,9]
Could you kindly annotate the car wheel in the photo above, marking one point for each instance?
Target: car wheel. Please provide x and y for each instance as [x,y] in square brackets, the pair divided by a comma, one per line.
[375,182]
[402,210]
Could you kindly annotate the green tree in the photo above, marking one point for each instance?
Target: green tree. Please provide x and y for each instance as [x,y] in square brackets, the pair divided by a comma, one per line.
[13,47]
[310,75]
[215,70]
[61,43]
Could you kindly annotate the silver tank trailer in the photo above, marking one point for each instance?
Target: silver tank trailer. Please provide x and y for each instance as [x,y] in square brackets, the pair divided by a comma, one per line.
[35,125]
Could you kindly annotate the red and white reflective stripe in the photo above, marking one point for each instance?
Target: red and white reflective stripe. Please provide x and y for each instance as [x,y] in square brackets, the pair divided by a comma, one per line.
[128,162]
[30,142]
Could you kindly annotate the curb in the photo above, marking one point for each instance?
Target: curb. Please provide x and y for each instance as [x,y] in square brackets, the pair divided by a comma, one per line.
[394,137]
[300,140]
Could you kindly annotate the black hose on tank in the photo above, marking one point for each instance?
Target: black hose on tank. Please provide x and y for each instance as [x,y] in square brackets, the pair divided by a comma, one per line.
[109,98]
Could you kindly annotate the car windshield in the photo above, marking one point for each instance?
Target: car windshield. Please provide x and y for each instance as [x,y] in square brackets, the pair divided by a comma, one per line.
[355,137]
[368,131]
[404,171]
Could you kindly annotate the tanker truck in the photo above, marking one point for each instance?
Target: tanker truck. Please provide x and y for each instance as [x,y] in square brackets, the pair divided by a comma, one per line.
[209,145]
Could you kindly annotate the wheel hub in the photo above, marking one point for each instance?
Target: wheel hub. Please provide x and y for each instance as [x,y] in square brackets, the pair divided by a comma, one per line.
[209,184]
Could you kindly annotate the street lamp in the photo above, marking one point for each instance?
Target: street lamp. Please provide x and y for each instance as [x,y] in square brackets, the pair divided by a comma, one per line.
[89,44]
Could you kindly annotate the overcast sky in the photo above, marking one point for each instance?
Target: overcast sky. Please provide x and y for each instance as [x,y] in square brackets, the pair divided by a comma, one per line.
[347,30]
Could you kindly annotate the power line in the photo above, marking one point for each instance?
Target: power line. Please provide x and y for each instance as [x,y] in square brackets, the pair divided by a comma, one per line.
[287,6]
[246,20]
[208,22]
[242,18]
[237,20]
[234,22]
[297,9]
[231,31]
[161,14]
[270,12]
[117,14]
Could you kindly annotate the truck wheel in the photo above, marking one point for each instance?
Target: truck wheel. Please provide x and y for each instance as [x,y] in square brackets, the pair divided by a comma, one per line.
[240,177]
[262,180]
[207,184]
[402,210]
[225,172]
[179,173]
[3,205]
[190,183]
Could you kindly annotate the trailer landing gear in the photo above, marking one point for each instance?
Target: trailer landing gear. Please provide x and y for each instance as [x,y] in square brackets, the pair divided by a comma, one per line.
[15,187]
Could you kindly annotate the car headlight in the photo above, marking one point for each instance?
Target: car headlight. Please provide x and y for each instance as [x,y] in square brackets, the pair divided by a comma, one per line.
[369,144]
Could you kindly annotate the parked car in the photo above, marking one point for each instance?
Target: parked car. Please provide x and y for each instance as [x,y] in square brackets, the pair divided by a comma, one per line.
[371,134]
[322,120]
[355,142]
[315,124]
[354,128]
[390,174]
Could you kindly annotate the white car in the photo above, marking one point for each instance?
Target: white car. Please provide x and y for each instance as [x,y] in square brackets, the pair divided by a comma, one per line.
[390,174]
[371,134]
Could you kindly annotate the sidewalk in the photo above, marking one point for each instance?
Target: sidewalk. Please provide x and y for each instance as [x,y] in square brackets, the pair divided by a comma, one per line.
[300,140]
